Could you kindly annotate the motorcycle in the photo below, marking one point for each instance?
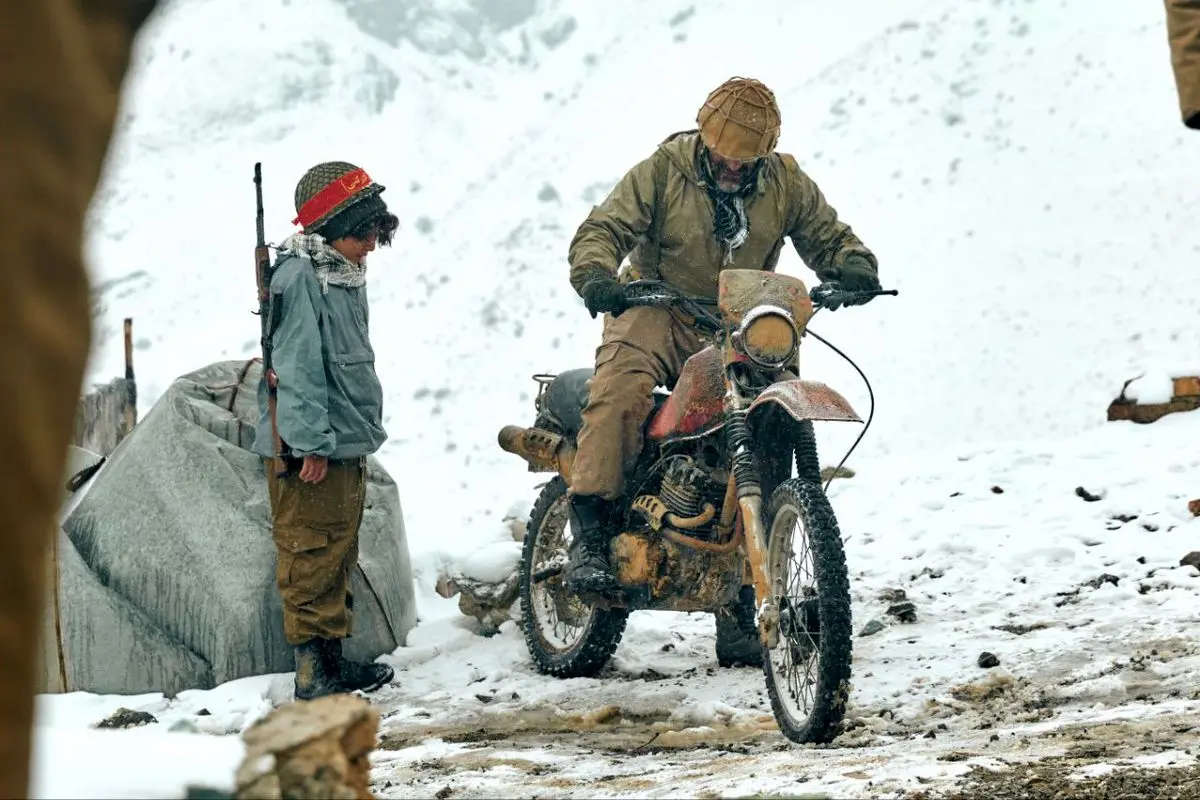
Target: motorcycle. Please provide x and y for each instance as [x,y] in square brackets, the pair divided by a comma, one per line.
[712,505]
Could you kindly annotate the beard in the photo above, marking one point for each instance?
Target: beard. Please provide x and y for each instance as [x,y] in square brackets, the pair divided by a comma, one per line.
[732,181]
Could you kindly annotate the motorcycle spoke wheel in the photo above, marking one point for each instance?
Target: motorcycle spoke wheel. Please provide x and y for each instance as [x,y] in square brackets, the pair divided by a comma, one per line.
[566,637]
[808,668]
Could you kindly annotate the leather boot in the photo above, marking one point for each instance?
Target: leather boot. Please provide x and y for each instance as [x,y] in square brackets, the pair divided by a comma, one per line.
[316,673]
[358,676]
[738,644]
[588,567]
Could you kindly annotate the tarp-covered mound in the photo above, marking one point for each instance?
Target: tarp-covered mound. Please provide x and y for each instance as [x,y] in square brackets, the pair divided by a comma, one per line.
[166,568]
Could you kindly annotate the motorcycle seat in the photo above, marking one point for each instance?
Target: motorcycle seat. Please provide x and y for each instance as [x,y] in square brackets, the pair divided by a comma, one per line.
[567,395]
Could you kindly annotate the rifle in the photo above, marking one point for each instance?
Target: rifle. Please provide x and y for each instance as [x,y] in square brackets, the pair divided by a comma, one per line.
[266,312]
[130,382]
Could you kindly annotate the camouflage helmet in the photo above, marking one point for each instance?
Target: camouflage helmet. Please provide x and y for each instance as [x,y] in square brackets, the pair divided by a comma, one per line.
[334,197]
[740,120]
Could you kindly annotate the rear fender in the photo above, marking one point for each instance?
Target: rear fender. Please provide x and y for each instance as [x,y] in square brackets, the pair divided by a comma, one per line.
[806,400]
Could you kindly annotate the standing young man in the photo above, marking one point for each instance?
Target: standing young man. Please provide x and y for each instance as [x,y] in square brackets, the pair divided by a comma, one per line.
[329,417]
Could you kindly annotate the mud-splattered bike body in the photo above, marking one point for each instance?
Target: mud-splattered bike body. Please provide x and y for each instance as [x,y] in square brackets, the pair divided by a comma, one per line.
[727,492]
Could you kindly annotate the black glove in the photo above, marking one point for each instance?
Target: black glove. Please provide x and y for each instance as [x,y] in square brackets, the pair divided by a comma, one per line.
[604,294]
[827,295]
[857,275]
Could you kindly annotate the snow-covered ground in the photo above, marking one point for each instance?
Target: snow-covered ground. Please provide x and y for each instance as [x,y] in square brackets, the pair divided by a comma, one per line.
[1082,601]
[1020,170]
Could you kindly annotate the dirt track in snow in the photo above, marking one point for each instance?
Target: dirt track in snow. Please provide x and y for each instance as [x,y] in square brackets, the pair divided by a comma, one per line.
[1137,750]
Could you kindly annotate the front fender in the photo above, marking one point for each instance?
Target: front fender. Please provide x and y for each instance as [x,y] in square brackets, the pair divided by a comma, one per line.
[806,400]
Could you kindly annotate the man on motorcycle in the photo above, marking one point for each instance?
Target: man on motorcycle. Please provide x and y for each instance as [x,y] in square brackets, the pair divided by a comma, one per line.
[705,200]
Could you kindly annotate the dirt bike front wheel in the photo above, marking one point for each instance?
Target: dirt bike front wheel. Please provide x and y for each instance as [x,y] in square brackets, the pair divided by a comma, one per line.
[566,637]
[808,670]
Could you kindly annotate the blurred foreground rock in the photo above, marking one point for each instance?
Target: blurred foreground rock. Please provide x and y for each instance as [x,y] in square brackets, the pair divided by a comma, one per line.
[314,749]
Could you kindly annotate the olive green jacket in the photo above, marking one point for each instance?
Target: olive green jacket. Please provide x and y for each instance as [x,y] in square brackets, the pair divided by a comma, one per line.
[661,216]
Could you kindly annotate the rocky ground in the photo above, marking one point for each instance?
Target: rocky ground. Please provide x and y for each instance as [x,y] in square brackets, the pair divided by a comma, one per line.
[607,754]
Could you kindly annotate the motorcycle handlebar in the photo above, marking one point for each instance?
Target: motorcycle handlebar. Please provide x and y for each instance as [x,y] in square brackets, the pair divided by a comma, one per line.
[831,295]
[662,295]
[658,294]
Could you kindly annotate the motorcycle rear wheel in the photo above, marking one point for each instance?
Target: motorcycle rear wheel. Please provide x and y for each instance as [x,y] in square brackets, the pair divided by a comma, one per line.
[814,646]
[566,637]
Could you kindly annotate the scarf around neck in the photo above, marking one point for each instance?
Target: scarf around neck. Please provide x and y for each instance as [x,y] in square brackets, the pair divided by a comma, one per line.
[731,226]
[330,266]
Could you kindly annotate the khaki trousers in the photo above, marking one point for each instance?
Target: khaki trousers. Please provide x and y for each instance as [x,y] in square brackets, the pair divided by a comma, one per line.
[642,348]
[315,528]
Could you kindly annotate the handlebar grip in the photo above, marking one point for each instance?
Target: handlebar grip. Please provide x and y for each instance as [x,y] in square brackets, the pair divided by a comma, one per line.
[831,295]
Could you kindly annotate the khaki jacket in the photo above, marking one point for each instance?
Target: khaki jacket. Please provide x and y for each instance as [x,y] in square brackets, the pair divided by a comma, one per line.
[785,203]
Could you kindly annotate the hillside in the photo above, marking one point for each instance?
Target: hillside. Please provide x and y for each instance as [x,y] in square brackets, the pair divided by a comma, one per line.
[1011,163]
[1018,167]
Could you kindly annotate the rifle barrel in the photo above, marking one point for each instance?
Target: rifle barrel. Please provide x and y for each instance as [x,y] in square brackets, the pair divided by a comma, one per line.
[259,204]
[263,272]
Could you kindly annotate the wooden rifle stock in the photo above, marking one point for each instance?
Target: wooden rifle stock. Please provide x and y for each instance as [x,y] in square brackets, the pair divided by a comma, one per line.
[266,312]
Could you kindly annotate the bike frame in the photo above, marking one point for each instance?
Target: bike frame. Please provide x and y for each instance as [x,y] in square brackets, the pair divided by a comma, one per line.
[800,399]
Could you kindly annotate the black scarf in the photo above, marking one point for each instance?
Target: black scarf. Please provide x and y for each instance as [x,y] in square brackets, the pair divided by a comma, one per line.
[731,226]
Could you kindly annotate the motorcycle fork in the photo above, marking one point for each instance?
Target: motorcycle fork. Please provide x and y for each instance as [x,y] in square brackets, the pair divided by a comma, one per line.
[746,484]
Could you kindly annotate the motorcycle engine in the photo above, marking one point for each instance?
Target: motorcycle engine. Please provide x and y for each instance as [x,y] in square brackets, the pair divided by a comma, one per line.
[685,487]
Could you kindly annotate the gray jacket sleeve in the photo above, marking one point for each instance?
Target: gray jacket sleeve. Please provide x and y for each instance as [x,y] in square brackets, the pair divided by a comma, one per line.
[302,408]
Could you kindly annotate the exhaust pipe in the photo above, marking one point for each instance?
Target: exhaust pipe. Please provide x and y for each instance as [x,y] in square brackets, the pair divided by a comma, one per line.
[544,451]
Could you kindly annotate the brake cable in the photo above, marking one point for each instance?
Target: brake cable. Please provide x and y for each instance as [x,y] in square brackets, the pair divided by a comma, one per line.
[870,395]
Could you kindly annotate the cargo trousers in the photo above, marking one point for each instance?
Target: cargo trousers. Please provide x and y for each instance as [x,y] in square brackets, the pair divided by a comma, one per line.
[62,65]
[315,527]
[643,348]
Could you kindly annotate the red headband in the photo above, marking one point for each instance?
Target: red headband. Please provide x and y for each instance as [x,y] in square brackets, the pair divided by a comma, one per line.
[338,191]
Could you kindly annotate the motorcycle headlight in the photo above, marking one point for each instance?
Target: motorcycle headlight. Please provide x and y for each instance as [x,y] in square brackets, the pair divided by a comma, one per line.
[768,336]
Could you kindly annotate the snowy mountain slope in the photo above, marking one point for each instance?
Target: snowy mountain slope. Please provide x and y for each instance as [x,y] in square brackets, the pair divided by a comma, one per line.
[287,83]
[1041,256]
[1027,197]
[1022,239]
[454,156]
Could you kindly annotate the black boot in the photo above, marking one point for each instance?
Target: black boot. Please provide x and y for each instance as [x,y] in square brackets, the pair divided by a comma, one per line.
[317,674]
[588,568]
[359,676]
[738,644]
